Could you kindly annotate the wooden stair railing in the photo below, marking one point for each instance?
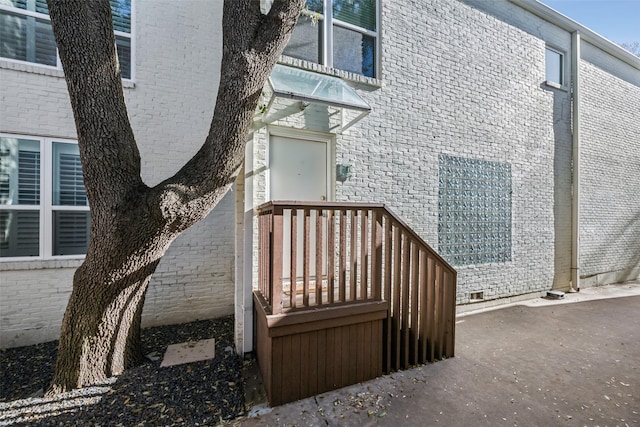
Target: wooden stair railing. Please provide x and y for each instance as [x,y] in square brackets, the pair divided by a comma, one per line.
[351,253]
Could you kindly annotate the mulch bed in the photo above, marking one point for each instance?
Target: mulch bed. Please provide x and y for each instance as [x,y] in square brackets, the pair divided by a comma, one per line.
[209,392]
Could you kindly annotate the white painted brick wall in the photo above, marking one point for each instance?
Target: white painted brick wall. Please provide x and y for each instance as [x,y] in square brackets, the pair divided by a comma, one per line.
[610,173]
[464,82]
[177,52]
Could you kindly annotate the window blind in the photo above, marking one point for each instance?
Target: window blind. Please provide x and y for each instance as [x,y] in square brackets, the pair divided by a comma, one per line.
[28,177]
[70,191]
[361,13]
[70,232]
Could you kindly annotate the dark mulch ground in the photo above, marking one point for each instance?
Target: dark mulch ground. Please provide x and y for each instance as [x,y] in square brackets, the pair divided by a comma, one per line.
[202,393]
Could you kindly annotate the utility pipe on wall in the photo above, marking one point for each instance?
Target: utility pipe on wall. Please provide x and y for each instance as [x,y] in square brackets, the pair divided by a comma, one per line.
[575,176]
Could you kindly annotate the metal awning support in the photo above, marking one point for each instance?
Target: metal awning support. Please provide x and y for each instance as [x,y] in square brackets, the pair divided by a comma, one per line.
[313,88]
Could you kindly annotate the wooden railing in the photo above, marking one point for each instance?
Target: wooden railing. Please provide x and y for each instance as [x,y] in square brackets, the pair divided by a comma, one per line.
[327,254]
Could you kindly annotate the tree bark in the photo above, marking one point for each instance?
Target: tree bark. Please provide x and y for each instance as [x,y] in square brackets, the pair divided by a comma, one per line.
[132,224]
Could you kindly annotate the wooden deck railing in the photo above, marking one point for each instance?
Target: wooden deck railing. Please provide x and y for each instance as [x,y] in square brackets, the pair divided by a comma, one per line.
[327,254]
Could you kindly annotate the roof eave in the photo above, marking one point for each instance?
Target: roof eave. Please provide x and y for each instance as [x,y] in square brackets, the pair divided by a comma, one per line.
[551,15]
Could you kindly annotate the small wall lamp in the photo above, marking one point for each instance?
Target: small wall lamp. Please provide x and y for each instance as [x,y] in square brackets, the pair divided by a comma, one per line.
[344,172]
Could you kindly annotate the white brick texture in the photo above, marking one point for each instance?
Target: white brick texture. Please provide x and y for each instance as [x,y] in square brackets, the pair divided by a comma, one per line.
[610,175]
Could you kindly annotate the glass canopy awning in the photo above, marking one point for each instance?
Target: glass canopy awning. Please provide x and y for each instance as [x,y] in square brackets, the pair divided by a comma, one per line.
[309,87]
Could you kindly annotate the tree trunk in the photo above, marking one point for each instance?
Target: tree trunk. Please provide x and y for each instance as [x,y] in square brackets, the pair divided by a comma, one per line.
[132,225]
[100,334]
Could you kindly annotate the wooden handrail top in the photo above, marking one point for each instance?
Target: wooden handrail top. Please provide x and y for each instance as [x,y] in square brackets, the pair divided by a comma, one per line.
[297,204]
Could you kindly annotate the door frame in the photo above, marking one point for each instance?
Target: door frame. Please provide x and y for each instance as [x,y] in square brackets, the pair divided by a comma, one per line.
[327,138]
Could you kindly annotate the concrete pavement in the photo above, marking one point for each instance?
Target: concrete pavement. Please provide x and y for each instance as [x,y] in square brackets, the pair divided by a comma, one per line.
[536,363]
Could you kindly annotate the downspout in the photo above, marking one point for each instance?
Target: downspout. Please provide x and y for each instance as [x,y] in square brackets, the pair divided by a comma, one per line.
[575,181]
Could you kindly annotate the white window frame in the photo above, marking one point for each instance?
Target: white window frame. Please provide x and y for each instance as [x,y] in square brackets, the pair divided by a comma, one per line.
[46,206]
[58,66]
[562,66]
[328,22]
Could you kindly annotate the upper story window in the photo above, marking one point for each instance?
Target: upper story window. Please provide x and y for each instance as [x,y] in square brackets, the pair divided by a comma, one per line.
[44,211]
[554,62]
[26,34]
[341,34]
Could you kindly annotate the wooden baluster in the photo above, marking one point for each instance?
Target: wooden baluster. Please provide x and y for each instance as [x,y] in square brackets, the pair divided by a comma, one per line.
[293,273]
[354,255]
[388,251]
[261,254]
[431,309]
[376,255]
[415,288]
[364,254]
[424,280]
[305,260]
[397,320]
[442,310]
[406,268]
[319,257]
[449,311]
[331,254]
[343,256]
[437,313]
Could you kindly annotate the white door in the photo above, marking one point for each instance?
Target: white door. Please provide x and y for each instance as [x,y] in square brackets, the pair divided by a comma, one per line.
[298,170]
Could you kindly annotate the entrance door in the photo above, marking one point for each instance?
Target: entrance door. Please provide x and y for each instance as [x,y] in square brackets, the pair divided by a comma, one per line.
[298,170]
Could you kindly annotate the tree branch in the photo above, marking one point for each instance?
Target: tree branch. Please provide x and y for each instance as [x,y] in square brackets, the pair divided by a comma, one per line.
[251,46]
[86,45]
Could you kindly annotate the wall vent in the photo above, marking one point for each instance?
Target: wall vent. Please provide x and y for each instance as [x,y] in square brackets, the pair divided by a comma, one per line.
[476,296]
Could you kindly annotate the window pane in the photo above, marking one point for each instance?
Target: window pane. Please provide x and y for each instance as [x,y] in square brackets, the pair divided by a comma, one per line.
[357,12]
[39,6]
[19,171]
[71,232]
[45,49]
[26,38]
[68,183]
[121,15]
[353,51]
[553,66]
[123,46]
[305,41]
[19,233]
[13,36]
[315,6]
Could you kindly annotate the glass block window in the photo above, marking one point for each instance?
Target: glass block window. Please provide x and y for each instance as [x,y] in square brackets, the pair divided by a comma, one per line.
[338,33]
[474,211]
[44,211]
[26,34]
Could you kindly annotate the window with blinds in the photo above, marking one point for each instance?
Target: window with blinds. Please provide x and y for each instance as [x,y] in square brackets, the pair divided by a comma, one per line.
[26,34]
[68,184]
[341,34]
[28,208]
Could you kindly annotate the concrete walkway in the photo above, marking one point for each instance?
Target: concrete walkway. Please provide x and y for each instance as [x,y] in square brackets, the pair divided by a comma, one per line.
[538,363]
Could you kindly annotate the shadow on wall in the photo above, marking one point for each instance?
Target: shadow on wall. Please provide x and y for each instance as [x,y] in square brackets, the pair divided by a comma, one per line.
[562,153]
[632,269]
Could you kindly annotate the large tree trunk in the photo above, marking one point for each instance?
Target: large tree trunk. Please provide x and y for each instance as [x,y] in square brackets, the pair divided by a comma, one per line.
[100,334]
[132,225]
